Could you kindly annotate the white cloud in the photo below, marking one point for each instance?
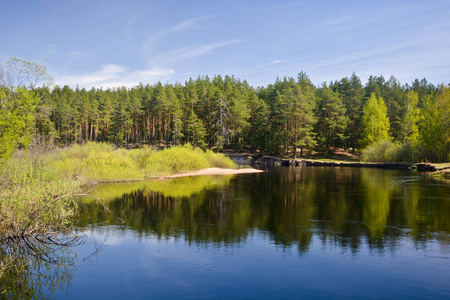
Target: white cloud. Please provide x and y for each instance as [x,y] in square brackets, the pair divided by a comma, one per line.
[75,53]
[114,76]
[150,47]
[276,61]
[191,51]
[191,23]
[50,48]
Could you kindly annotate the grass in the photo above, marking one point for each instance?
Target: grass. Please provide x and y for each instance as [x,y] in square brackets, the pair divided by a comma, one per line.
[96,162]
[34,200]
[100,162]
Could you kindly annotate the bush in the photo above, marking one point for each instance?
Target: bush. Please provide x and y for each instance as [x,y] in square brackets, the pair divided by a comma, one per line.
[100,162]
[97,162]
[386,151]
[176,160]
[219,160]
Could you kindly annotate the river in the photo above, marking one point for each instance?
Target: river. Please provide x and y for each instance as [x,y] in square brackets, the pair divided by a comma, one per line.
[291,233]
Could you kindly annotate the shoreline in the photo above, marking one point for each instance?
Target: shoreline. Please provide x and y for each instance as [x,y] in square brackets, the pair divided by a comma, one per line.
[201,172]
[267,160]
[212,171]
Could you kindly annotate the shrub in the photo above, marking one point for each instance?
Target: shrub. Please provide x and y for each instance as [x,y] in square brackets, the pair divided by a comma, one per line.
[386,151]
[219,160]
[97,162]
[175,160]
[100,162]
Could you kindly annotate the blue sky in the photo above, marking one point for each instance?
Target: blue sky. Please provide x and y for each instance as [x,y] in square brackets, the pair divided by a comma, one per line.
[116,43]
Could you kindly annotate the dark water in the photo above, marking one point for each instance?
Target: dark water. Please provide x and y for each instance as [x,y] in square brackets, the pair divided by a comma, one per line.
[298,233]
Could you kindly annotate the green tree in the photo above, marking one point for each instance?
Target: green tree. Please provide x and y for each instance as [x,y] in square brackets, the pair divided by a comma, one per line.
[259,125]
[435,125]
[17,108]
[411,118]
[331,119]
[375,121]
[395,98]
[18,103]
[352,93]
[175,114]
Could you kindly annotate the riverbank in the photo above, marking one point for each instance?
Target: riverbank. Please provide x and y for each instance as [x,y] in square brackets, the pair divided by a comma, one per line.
[265,161]
[36,188]
[103,163]
[42,183]
[214,171]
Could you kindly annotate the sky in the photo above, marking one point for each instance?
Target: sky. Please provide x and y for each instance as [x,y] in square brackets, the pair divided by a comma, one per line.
[106,44]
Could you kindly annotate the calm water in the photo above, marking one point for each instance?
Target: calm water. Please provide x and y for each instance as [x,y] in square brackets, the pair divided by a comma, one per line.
[290,233]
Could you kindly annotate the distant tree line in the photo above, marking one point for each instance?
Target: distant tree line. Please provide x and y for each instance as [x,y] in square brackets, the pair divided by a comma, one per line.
[224,112]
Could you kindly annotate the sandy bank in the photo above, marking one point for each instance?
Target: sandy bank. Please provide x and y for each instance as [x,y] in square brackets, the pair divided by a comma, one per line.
[215,171]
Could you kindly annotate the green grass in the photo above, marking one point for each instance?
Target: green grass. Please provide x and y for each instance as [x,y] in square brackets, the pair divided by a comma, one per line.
[34,199]
[96,162]
[100,162]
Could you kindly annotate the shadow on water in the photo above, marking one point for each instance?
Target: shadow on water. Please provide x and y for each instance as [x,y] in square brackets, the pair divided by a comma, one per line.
[36,267]
[343,207]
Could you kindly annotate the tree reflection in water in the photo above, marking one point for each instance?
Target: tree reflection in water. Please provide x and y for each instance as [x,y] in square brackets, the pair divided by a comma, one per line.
[34,267]
[343,207]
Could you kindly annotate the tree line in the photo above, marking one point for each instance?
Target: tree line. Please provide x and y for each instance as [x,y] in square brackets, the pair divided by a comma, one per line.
[287,116]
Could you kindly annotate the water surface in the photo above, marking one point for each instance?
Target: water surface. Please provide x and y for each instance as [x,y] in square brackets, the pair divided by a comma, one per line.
[333,233]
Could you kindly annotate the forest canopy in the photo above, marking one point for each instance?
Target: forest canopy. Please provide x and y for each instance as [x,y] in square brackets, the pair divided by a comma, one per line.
[226,112]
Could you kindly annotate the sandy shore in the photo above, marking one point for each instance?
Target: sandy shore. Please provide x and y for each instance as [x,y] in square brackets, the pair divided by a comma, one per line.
[216,171]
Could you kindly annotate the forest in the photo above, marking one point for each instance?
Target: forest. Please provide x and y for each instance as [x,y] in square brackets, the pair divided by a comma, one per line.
[400,122]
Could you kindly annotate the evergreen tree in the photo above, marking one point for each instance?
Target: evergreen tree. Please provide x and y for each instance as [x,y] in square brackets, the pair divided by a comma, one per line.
[352,93]
[412,116]
[259,128]
[331,119]
[175,114]
[394,97]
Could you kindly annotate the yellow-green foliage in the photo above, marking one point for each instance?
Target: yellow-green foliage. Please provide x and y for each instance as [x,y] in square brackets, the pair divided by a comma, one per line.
[97,162]
[219,160]
[176,160]
[100,162]
[184,158]
[387,151]
[30,199]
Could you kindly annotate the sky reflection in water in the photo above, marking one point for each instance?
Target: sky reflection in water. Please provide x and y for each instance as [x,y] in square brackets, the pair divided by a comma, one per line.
[292,233]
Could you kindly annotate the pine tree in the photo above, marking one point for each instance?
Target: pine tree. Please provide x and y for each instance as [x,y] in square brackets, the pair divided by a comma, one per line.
[411,118]
[331,119]
[352,93]
[395,98]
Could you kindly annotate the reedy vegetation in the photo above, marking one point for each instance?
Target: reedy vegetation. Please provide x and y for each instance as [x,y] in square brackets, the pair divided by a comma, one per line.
[34,200]
[101,162]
